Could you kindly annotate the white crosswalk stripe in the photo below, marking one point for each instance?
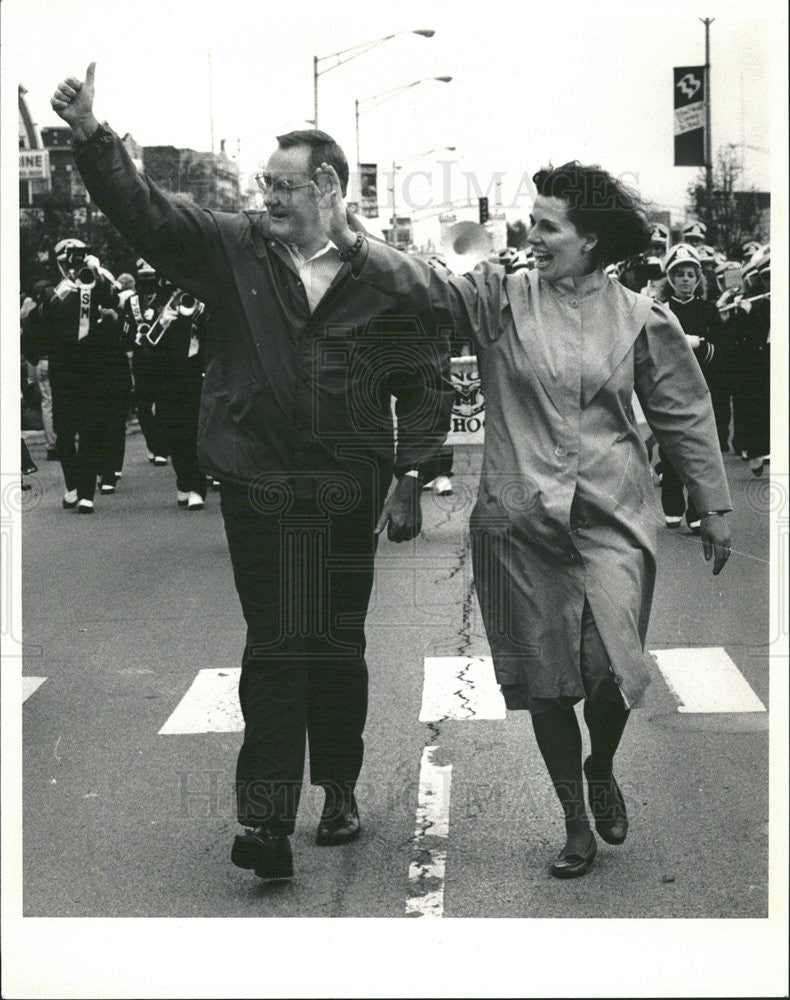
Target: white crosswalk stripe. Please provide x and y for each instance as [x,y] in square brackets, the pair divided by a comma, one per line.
[464,688]
[211,705]
[706,680]
[460,687]
[30,685]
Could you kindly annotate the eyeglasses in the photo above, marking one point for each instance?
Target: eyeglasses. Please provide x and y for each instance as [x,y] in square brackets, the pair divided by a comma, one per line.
[278,185]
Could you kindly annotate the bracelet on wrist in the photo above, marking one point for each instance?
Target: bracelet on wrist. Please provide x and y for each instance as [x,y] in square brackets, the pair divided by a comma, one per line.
[359,239]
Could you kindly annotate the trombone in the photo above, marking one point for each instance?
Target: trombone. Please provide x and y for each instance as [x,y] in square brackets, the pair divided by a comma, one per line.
[737,302]
[179,304]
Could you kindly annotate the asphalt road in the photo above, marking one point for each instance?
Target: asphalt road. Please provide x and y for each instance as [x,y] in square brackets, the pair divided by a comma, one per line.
[121,611]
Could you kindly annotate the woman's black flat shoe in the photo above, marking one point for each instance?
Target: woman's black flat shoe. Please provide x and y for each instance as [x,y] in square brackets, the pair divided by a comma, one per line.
[607,804]
[573,865]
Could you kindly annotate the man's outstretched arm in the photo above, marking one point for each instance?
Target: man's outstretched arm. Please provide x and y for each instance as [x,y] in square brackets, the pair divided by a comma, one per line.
[177,238]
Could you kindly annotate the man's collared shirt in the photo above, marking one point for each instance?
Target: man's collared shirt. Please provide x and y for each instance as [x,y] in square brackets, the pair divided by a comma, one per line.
[317,272]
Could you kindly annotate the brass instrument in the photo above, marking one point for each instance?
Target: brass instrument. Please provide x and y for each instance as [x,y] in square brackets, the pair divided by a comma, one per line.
[464,245]
[179,303]
[85,277]
[187,304]
[739,301]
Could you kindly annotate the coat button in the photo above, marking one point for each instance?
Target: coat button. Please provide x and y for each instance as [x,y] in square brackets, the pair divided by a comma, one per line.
[618,679]
[560,452]
[573,303]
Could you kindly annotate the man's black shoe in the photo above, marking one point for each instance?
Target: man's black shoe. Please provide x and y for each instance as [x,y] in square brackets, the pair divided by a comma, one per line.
[341,828]
[267,852]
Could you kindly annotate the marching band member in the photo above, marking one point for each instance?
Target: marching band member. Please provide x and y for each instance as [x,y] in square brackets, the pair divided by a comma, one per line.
[748,316]
[749,249]
[694,233]
[140,310]
[81,333]
[177,331]
[35,354]
[659,240]
[659,245]
[700,322]
[709,260]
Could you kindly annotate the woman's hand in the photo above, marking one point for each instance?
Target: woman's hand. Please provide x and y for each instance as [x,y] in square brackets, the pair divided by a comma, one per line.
[716,542]
[332,208]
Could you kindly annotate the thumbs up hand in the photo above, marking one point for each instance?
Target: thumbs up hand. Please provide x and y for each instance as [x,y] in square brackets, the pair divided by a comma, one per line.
[73,102]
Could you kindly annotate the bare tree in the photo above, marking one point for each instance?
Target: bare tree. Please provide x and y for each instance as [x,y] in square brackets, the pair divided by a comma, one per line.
[733,215]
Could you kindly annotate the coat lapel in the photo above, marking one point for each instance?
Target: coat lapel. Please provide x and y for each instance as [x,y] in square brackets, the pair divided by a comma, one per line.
[620,315]
[524,303]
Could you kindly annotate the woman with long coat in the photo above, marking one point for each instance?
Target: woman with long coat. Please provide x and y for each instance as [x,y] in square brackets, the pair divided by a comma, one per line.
[563,532]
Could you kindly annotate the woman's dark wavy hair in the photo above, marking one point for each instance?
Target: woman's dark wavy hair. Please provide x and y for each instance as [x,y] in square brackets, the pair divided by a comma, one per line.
[599,203]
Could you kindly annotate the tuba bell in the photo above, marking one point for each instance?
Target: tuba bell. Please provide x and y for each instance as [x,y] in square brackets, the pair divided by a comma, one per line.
[464,245]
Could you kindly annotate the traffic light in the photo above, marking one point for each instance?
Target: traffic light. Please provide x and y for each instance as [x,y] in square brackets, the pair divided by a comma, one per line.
[482,204]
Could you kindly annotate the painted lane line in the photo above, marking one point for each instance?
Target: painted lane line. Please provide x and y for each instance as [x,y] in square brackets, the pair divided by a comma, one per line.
[706,680]
[460,687]
[30,685]
[429,902]
[211,705]
[429,844]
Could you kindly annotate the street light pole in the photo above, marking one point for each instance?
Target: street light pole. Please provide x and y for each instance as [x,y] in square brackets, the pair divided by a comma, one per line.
[387,95]
[356,126]
[345,55]
[315,91]
[392,192]
[707,21]
[210,102]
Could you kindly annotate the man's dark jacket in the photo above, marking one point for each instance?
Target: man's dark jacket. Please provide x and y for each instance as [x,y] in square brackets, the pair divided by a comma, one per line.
[286,391]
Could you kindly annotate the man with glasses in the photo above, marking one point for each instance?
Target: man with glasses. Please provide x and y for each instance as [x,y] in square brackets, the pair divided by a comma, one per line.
[301,364]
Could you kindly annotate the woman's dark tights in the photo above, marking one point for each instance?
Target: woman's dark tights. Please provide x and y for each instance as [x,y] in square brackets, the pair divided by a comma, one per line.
[560,743]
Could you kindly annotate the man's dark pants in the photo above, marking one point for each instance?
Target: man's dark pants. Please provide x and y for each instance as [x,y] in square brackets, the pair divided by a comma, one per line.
[303,568]
[177,413]
[79,411]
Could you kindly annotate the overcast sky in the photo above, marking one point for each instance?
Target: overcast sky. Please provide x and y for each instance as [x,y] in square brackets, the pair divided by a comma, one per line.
[531,82]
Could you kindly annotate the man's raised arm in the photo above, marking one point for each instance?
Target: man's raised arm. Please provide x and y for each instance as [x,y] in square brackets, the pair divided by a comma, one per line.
[179,239]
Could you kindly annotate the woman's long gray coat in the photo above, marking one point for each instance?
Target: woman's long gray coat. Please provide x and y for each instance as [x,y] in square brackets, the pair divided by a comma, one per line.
[564,507]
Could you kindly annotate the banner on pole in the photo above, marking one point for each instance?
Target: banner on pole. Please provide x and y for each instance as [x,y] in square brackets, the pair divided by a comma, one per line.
[368,190]
[689,104]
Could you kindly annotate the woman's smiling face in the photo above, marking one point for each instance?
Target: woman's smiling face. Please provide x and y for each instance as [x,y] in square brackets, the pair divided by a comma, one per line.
[560,250]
